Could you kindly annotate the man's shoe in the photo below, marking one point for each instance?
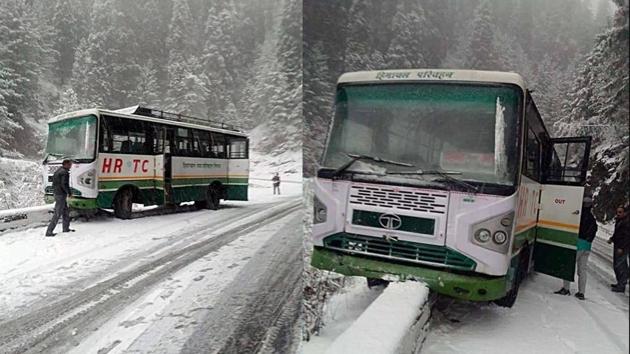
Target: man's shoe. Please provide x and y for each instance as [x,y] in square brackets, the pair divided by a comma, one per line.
[70,230]
[50,235]
[563,291]
[579,296]
[618,289]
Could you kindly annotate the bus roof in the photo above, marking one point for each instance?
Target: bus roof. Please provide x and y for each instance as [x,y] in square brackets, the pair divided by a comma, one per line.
[432,75]
[122,114]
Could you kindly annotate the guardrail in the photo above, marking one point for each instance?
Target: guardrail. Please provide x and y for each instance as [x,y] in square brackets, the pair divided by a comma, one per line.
[395,323]
[25,217]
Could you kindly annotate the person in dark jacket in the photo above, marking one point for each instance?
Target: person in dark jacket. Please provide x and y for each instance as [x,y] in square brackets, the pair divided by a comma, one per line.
[586,235]
[621,248]
[61,190]
[276,183]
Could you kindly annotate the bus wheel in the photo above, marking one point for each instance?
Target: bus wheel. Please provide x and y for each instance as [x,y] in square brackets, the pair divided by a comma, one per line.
[510,298]
[213,198]
[123,204]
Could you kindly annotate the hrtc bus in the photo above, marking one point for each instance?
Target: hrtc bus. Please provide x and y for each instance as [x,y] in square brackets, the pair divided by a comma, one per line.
[146,156]
[449,177]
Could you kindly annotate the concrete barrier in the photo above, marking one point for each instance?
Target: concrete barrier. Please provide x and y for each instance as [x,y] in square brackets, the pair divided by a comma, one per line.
[396,322]
[25,217]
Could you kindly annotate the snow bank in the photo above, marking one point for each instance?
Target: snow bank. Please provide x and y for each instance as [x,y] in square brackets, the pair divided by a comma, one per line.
[20,183]
[394,323]
[31,216]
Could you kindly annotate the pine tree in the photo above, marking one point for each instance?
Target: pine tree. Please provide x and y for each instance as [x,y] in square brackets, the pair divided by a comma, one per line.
[8,124]
[65,38]
[68,102]
[410,27]
[483,54]
[148,89]
[218,56]
[359,41]
[186,91]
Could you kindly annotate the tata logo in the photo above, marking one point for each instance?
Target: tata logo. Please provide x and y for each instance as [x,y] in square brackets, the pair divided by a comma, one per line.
[390,221]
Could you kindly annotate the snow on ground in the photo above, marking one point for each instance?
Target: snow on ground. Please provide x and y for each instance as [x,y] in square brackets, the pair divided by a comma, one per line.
[340,312]
[539,322]
[33,267]
[20,183]
[163,319]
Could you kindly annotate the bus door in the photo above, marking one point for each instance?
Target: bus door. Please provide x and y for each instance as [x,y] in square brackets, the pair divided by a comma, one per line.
[169,145]
[564,176]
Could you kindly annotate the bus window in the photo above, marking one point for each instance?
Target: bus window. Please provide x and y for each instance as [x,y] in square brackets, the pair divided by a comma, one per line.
[125,136]
[183,143]
[105,141]
[532,156]
[201,143]
[237,148]
[217,145]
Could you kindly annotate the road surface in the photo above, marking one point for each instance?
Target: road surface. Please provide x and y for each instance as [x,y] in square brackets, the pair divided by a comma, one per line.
[225,281]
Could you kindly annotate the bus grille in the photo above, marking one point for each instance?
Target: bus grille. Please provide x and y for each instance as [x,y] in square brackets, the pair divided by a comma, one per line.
[399,250]
[404,199]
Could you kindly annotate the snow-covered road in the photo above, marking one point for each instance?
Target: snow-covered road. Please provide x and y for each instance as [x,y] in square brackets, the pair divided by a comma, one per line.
[539,322]
[205,281]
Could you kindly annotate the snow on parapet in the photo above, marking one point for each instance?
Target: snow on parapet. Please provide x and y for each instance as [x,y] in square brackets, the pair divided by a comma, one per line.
[433,75]
[391,324]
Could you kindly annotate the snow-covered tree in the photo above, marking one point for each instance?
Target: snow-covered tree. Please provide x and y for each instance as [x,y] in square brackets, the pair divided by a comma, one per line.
[411,27]
[65,38]
[186,90]
[147,92]
[68,102]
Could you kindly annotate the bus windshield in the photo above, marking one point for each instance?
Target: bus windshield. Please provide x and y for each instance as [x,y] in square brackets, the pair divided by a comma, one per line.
[467,130]
[73,138]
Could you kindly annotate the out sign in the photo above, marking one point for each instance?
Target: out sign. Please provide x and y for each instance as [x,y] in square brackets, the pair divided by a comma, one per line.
[559,201]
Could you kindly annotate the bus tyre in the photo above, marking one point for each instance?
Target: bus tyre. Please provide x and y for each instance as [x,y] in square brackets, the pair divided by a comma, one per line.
[213,198]
[123,204]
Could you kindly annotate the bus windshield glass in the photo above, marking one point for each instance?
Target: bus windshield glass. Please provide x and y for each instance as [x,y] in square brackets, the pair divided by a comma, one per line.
[467,130]
[73,138]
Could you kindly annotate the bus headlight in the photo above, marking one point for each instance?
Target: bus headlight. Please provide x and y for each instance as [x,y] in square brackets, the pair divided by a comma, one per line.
[320,212]
[499,237]
[86,179]
[482,235]
[494,233]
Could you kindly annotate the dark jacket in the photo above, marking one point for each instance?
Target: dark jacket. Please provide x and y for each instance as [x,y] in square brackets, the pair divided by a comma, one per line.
[61,182]
[621,236]
[276,180]
[588,225]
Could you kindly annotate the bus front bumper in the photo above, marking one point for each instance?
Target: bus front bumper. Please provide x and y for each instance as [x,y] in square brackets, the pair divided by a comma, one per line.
[75,202]
[467,287]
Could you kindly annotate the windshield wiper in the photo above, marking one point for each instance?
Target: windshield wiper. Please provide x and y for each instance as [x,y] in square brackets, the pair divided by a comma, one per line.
[356,158]
[446,177]
[52,154]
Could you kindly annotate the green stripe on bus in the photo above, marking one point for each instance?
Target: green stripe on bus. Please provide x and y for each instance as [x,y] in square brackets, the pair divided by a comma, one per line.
[557,236]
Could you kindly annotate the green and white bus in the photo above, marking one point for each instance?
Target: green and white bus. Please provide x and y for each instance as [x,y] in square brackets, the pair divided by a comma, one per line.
[449,177]
[146,156]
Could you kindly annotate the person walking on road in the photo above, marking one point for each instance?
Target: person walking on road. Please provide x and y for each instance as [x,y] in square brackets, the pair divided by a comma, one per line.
[276,184]
[621,248]
[61,190]
[586,235]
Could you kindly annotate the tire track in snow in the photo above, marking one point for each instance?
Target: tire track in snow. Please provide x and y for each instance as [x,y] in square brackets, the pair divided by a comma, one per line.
[71,318]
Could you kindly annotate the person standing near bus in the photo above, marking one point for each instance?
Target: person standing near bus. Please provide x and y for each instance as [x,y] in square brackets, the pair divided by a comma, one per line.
[586,235]
[621,248]
[276,183]
[61,190]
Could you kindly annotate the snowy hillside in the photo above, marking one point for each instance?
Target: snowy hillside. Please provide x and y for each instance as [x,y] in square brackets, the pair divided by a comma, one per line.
[20,183]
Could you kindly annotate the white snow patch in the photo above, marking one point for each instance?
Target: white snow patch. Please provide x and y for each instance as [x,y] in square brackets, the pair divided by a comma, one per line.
[383,327]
